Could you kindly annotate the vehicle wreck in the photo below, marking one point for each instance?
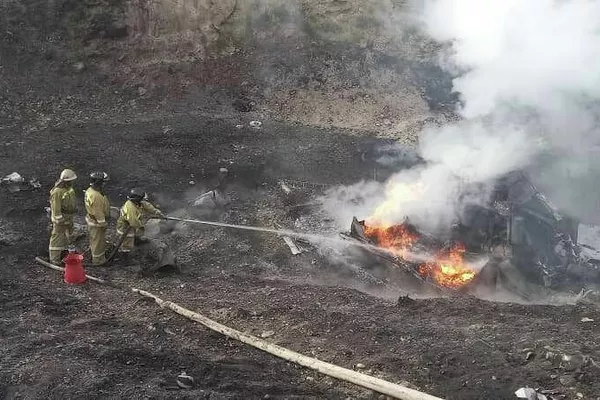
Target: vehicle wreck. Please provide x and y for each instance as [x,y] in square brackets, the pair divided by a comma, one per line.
[518,237]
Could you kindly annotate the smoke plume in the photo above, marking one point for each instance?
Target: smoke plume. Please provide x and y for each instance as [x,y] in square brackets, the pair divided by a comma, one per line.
[528,74]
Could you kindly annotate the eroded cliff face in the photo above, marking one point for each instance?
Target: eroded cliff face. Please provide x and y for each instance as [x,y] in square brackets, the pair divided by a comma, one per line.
[353,64]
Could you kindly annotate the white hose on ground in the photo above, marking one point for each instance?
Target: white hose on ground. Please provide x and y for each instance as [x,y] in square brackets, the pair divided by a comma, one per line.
[366,381]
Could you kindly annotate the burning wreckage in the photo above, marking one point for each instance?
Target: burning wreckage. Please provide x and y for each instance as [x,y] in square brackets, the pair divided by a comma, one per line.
[516,239]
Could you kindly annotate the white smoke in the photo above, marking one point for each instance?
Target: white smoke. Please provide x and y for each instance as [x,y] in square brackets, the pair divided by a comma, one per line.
[537,53]
[533,69]
[528,73]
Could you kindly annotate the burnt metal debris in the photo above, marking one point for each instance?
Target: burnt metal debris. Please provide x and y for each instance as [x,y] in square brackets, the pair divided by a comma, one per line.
[543,241]
[540,241]
[16,183]
[357,233]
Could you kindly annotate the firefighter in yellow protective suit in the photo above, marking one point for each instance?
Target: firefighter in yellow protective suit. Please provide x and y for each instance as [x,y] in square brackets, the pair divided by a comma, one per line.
[97,216]
[130,222]
[62,212]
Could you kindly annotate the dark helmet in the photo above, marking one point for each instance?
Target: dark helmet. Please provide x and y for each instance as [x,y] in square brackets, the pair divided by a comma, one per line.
[136,195]
[98,177]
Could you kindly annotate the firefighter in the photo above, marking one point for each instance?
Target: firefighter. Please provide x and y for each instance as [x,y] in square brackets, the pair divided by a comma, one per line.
[130,221]
[62,212]
[97,208]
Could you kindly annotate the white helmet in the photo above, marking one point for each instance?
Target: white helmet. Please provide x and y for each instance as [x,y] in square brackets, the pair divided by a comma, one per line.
[68,175]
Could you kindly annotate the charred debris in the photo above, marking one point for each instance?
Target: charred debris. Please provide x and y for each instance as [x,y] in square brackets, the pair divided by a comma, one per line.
[519,225]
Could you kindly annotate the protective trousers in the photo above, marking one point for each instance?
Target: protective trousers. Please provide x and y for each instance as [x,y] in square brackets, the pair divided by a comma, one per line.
[128,241]
[97,244]
[60,239]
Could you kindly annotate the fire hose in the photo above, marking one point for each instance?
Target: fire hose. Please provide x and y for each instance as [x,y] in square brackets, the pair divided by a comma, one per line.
[121,240]
[116,249]
[367,381]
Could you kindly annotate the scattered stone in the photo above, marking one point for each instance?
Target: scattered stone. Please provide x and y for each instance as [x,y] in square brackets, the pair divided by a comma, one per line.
[286,189]
[170,332]
[556,394]
[267,334]
[310,379]
[79,66]
[586,319]
[527,350]
[572,362]
[360,366]
[191,183]
[255,124]
[529,356]
[551,356]
[567,380]
[185,381]
[526,393]
[35,183]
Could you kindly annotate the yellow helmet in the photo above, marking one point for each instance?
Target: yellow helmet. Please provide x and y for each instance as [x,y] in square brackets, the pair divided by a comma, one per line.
[68,175]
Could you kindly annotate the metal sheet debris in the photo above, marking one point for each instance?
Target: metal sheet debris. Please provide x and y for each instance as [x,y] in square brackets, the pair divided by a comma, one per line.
[529,394]
[15,177]
[293,248]
[14,182]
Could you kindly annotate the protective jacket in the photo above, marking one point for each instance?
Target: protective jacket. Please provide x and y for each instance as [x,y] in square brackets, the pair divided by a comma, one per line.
[97,207]
[62,212]
[131,215]
[62,205]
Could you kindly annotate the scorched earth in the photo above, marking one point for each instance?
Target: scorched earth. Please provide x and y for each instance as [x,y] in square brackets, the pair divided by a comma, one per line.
[99,342]
[60,341]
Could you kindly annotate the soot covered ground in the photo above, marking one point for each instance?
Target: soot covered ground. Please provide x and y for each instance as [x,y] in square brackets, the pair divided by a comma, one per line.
[60,341]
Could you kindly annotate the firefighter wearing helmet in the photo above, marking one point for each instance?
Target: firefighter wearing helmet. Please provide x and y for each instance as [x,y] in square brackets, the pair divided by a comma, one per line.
[130,222]
[97,216]
[62,211]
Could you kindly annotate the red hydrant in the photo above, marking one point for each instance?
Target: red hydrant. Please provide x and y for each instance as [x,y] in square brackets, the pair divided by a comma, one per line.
[74,272]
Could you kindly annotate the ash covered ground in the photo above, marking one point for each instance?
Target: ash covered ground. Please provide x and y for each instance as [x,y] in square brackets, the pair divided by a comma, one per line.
[98,342]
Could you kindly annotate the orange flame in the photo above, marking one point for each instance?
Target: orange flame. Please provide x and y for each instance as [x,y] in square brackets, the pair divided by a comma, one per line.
[396,238]
[447,270]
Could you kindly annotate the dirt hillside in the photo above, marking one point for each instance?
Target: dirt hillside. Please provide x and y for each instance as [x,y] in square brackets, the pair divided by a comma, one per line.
[161,95]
